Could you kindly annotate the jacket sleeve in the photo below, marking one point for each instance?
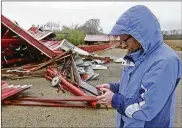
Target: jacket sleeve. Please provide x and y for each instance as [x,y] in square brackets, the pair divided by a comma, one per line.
[114,87]
[157,85]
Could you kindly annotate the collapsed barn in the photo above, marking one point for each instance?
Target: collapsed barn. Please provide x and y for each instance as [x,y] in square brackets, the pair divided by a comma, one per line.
[36,53]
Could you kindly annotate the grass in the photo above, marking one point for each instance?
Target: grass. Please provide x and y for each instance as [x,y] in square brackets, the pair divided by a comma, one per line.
[175,44]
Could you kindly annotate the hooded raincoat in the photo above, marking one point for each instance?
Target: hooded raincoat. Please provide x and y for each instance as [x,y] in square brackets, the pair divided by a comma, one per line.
[145,95]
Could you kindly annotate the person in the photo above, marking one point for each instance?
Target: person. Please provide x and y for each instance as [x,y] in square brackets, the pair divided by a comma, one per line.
[145,95]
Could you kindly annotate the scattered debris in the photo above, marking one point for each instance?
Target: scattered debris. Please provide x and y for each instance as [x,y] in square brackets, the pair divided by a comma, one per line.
[67,46]
[65,77]
[98,66]
[36,53]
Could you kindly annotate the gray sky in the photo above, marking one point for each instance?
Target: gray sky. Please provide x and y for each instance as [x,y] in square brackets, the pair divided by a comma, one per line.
[68,13]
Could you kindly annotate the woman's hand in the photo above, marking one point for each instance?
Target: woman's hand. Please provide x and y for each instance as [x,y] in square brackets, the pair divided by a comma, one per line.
[103,86]
[106,98]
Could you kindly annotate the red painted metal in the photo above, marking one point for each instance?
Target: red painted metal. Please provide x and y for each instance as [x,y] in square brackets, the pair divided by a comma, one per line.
[98,47]
[39,34]
[10,90]
[50,104]
[48,77]
[11,41]
[59,99]
[73,89]
[33,29]
[57,52]
[64,87]
[4,83]
[51,44]
[47,104]
[27,37]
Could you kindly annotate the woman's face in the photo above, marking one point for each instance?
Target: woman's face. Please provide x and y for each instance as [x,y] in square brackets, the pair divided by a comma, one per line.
[129,43]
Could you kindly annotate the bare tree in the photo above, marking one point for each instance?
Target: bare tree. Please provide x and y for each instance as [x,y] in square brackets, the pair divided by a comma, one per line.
[52,26]
[92,26]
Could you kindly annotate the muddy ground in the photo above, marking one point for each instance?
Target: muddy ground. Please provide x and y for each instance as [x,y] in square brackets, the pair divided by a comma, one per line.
[19,116]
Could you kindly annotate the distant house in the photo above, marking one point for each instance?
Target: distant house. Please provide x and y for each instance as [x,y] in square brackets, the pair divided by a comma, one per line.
[95,43]
[114,39]
[97,39]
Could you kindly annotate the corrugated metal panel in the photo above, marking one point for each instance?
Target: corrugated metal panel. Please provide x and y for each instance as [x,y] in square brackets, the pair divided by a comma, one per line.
[40,35]
[52,44]
[26,36]
[10,90]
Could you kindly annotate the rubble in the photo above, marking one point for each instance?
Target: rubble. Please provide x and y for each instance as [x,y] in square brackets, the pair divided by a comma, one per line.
[35,53]
[68,79]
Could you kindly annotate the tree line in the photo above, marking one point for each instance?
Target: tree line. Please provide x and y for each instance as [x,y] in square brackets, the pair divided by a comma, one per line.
[76,33]
[174,34]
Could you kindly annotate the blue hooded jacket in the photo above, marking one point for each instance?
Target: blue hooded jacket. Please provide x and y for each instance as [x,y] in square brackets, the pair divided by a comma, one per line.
[145,95]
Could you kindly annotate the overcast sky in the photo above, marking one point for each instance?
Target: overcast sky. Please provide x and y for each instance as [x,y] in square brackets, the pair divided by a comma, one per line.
[169,14]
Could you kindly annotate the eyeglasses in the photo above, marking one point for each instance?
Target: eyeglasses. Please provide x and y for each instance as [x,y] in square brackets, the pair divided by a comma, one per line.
[125,40]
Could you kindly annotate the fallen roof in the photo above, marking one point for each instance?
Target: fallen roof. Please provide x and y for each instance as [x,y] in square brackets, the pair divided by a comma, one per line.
[26,36]
[96,38]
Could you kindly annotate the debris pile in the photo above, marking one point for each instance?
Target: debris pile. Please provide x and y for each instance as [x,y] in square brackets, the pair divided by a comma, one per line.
[63,75]
[36,53]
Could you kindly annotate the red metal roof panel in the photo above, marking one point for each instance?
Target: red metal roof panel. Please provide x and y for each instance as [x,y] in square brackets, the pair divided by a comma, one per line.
[26,36]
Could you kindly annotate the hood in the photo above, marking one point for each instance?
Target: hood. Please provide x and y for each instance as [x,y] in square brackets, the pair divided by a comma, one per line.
[140,23]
